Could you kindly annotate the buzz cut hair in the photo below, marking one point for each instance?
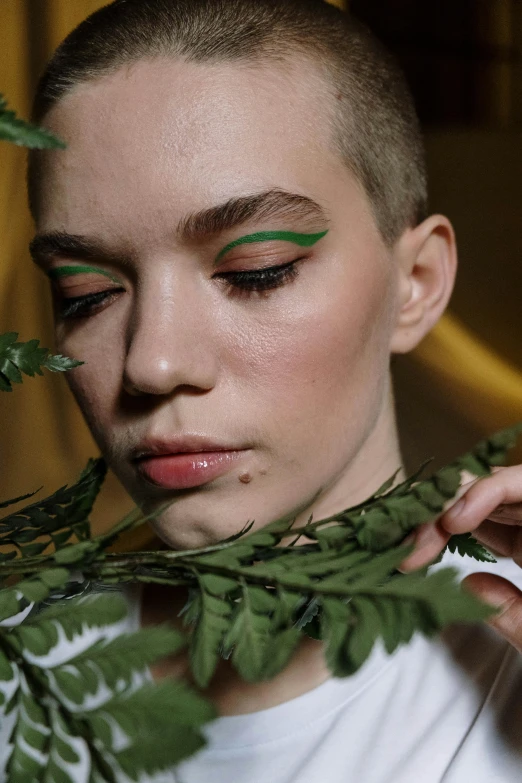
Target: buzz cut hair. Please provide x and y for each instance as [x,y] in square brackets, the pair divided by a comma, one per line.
[376,131]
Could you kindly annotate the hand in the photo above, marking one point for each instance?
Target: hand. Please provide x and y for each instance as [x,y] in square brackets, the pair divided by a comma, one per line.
[491,509]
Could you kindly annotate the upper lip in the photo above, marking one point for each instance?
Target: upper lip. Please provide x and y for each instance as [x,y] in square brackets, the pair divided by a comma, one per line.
[189,444]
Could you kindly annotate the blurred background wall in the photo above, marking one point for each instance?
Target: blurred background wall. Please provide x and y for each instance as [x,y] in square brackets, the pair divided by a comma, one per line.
[463,59]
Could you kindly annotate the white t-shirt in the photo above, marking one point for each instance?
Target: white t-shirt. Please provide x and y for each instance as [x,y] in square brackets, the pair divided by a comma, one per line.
[447,710]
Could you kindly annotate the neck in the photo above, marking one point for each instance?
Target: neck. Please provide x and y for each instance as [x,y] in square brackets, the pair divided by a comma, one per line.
[376,461]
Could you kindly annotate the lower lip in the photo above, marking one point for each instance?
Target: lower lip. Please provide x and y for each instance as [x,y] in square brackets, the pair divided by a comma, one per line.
[183,471]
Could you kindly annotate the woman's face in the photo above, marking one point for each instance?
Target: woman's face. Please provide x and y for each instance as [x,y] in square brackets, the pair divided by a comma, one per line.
[187,346]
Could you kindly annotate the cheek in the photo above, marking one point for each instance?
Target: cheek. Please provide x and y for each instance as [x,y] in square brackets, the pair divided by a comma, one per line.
[96,384]
[95,397]
[327,344]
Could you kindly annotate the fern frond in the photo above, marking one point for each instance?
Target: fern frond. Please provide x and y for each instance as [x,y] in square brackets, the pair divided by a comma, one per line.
[465,544]
[115,662]
[39,634]
[251,598]
[55,713]
[17,358]
[402,509]
[57,518]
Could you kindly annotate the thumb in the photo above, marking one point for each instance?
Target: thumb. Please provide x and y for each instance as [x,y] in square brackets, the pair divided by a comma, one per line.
[502,594]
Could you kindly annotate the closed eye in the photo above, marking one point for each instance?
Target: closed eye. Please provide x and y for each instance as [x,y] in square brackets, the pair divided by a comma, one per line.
[81,306]
[266,279]
[244,281]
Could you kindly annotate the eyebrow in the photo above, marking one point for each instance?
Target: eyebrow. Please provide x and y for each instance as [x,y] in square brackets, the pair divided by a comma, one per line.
[45,247]
[269,204]
[273,204]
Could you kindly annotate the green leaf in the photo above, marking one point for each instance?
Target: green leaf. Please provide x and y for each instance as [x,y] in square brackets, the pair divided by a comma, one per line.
[23,133]
[228,557]
[334,536]
[32,731]
[73,553]
[33,590]
[54,577]
[17,358]
[58,517]
[388,484]
[56,773]
[466,545]
[377,532]
[58,363]
[156,753]
[430,496]
[119,659]
[9,603]
[217,585]
[6,668]
[37,641]
[247,638]
[336,622]
[261,599]
[279,648]
[206,638]
[39,633]
[440,594]
[367,628]
[8,338]
[162,721]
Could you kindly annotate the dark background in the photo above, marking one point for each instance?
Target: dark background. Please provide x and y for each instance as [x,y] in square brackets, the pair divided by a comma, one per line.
[463,61]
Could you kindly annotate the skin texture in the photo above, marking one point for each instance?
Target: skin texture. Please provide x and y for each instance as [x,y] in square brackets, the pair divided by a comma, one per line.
[298,376]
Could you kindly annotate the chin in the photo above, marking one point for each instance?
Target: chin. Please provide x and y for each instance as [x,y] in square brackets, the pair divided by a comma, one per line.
[183,534]
[208,515]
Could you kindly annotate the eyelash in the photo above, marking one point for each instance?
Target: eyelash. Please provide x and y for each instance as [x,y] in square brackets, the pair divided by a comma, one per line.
[81,306]
[246,282]
[251,281]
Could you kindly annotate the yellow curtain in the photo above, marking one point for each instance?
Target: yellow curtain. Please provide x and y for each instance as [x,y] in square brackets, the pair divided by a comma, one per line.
[43,439]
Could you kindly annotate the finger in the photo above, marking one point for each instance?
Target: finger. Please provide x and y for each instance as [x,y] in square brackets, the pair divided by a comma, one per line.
[497,538]
[508,515]
[498,592]
[482,499]
[505,540]
[429,540]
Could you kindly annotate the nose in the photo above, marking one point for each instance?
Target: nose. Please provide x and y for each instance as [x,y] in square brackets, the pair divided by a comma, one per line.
[169,342]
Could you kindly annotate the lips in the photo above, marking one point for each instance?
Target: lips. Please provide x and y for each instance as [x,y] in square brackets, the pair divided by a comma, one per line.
[186,470]
[185,462]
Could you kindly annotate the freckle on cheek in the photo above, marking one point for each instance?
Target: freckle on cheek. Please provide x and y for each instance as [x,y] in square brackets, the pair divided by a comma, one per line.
[245,478]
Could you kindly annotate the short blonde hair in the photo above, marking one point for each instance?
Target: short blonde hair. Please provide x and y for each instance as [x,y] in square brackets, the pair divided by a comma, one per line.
[376,132]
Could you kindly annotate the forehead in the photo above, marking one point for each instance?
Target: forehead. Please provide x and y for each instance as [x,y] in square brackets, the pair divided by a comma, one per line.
[162,137]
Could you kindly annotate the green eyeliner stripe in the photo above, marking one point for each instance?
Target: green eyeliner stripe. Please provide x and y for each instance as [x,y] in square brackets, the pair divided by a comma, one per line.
[304,240]
[64,271]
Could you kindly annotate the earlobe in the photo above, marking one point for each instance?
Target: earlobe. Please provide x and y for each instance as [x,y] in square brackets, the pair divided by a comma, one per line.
[426,259]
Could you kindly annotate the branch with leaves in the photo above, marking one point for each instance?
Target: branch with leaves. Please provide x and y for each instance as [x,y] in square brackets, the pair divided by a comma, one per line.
[250,599]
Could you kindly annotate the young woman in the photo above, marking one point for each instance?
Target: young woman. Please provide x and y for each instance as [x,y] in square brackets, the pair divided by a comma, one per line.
[238,241]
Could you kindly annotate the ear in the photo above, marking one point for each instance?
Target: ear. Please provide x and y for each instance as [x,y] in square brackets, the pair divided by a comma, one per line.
[426,260]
